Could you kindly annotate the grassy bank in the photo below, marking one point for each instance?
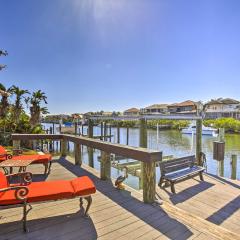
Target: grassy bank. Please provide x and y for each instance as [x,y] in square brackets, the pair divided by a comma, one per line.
[151,124]
[230,125]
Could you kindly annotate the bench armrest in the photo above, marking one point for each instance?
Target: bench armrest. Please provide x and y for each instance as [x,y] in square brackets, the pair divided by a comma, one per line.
[6,155]
[25,177]
[21,192]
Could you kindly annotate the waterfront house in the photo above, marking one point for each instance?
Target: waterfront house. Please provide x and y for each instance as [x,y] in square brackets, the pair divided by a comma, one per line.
[186,107]
[155,109]
[131,112]
[222,107]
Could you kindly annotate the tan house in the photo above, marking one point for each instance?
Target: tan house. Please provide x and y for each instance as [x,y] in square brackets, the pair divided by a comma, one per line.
[222,107]
[155,109]
[131,112]
[186,107]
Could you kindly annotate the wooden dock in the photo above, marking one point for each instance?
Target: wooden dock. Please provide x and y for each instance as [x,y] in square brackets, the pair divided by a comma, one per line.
[122,214]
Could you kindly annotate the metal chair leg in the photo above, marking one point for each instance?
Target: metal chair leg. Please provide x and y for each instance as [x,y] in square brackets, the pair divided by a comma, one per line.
[49,167]
[89,201]
[25,212]
[46,168]
[81,202]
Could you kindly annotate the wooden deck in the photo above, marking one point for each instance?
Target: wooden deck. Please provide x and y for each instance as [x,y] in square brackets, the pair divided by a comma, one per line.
[122,214]
[216,199]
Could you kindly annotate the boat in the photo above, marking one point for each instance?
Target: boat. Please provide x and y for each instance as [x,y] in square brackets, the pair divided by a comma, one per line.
[191,129]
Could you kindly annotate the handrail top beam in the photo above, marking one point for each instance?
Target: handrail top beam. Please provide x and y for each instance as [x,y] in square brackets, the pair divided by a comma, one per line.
[141,154]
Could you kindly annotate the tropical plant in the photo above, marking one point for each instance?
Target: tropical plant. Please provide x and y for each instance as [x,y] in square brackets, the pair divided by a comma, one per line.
[36,109]
[18,106]
[4,53]
[4,104]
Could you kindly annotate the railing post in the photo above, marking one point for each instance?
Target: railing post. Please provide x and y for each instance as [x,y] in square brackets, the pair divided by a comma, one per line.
[63,148]
[16,144]
[90,150]
[105,172]
[149,181]
[148,171]
[77,152]
[198,140]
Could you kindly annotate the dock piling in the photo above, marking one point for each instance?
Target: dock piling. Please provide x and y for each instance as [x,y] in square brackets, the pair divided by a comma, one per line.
[234,167]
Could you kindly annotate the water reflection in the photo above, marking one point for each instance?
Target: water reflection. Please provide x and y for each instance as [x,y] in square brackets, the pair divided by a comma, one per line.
[170,142]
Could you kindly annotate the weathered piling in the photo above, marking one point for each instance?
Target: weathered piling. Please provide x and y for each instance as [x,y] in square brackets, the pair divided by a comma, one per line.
[105,171]
[101,135]
[75,128]
[51,142]
[118,133]
[110,132]
[234,167]
[198,140]
[105,132]
[127,136]
[221,138]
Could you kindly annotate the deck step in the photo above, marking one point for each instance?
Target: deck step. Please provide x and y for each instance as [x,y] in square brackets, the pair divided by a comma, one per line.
[198,222]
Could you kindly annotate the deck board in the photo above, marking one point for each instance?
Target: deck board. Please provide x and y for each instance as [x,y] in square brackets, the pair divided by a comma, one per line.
[215,200]
[114,214]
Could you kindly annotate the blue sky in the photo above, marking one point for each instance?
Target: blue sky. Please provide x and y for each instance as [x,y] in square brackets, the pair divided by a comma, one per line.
[90,55]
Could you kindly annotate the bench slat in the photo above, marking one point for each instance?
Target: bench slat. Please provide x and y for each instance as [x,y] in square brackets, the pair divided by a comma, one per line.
[177,160]
[182,174]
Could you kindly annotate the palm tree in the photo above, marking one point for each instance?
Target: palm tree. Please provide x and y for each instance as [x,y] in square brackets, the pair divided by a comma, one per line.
[36,110]
[4,104]
[18,106]
[3,53]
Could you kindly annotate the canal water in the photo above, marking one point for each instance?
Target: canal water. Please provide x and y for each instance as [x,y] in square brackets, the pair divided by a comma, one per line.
[170,142]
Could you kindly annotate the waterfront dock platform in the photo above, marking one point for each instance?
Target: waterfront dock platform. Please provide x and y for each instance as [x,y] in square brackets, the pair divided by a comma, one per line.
[193,213]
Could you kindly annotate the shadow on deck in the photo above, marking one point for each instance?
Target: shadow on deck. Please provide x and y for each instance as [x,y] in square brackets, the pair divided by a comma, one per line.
[114,214]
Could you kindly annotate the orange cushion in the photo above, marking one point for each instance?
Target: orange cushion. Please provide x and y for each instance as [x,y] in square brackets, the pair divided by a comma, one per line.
[2,153]
[83,186]
[2,150]
[41,191]
[52,190]
[3,182]
[37,157]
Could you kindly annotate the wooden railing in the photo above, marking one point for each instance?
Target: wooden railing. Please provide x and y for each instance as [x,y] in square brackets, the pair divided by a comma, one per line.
[146,156]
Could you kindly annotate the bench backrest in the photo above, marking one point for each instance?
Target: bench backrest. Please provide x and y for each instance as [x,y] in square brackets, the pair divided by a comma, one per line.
[177,164]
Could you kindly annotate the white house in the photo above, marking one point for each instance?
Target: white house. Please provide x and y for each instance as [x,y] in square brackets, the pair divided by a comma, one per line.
[220,108]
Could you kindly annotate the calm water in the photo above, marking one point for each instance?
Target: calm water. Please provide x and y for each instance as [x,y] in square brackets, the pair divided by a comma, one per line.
[171,142]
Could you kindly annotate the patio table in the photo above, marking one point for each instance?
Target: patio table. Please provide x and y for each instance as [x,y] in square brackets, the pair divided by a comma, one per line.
[22,164]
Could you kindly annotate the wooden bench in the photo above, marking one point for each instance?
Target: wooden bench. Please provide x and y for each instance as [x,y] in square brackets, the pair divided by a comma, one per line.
[179,169]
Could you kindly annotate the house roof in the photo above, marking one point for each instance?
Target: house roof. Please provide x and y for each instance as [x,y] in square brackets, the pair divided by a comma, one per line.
[223,101]
[154,106]
[132,110]
[183,104]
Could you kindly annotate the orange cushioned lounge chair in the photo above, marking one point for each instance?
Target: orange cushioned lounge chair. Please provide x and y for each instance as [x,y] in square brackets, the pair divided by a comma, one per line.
[26,192]
[44,159]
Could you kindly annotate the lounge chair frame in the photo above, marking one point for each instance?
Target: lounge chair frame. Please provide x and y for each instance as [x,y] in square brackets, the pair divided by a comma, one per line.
[22,190]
